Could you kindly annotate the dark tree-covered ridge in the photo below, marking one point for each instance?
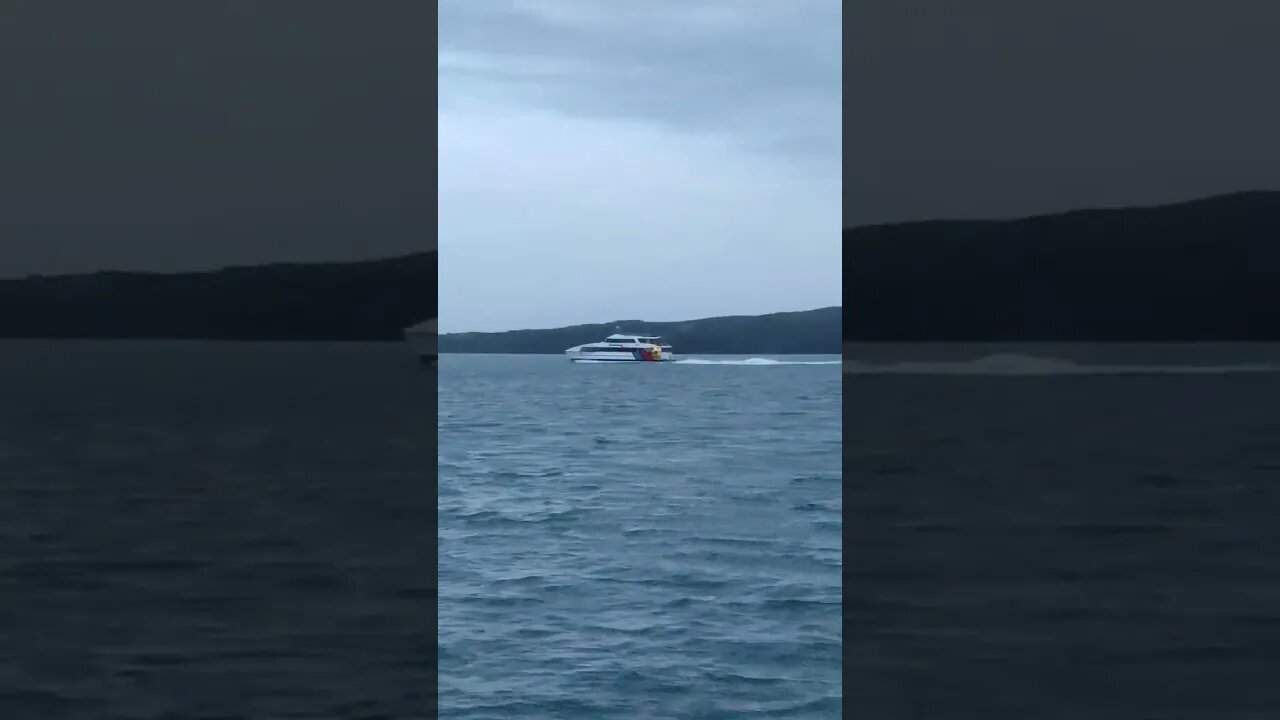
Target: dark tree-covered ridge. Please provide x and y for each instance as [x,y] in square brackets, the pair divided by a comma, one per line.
[810,332]
[350,301]
[1205,270]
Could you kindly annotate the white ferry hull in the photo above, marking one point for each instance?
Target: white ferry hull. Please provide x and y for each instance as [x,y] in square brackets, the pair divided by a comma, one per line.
[623,349]
[622,356]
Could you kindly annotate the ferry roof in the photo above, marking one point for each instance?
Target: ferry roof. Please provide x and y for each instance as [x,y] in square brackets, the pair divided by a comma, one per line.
[633,337]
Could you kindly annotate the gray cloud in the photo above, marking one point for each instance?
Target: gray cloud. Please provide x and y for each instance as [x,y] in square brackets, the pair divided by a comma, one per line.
[605,160]
[766,73]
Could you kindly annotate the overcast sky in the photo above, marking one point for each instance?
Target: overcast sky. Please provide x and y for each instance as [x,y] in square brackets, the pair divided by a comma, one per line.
[994,108]
[586,143]
[163,135]
[657,160]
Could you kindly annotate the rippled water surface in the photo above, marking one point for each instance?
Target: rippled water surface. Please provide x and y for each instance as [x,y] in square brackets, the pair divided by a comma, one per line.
[211,530]
[639,541]
[1063,531]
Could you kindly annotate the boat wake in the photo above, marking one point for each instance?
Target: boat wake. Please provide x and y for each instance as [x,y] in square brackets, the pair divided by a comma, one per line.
[755,361]
[1014,364]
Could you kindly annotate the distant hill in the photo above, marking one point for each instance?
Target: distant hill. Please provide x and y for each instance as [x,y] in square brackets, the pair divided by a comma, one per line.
[1196,271]
[808,332]
[359,301]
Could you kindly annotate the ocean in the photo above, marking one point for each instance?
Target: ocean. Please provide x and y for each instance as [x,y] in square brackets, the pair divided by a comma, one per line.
[223,530]
[1063,531]
[640,541]
[215,530]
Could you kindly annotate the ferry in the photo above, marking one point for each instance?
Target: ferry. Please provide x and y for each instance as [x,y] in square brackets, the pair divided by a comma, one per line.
[623,348]
[422,341]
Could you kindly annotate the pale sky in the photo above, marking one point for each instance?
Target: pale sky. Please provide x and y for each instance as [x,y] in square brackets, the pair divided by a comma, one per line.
[1001,108]
[180,136]
[662,160]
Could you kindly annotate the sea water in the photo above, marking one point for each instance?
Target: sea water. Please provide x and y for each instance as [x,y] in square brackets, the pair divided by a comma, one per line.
[649,540]
[1062,531]
[229,530]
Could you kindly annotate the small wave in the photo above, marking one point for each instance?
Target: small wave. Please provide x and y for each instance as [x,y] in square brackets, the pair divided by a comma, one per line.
[1016,364]
[755,361]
